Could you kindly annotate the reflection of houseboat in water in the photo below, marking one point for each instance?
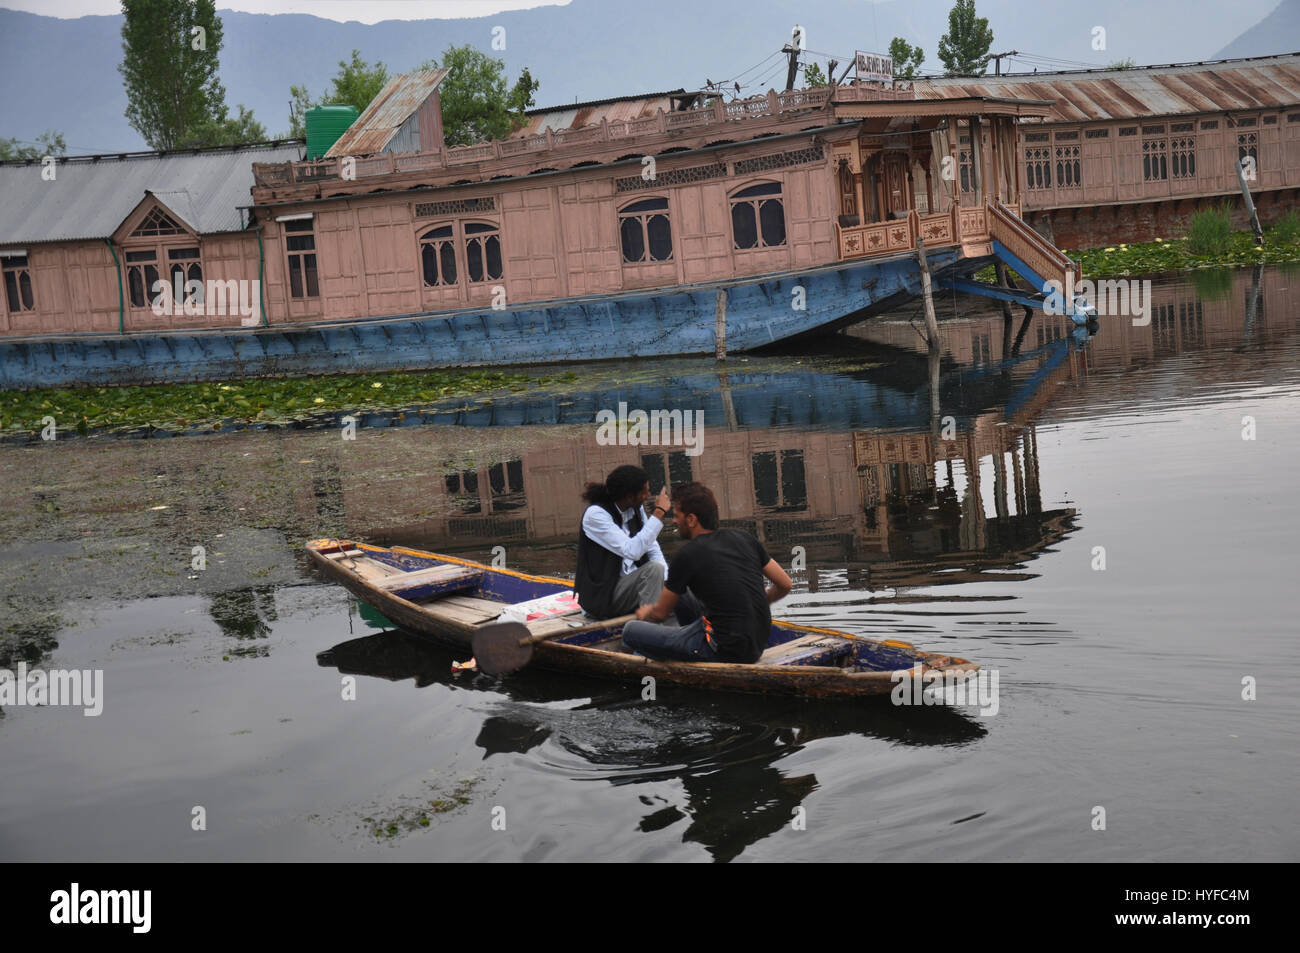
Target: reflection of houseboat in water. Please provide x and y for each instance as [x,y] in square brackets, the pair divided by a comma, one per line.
[708,228]
[860,477]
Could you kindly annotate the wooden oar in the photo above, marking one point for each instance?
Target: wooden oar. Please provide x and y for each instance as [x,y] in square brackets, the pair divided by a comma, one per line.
[508,646]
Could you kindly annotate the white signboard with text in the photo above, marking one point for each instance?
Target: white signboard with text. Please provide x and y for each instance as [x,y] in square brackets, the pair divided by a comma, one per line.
[873,67]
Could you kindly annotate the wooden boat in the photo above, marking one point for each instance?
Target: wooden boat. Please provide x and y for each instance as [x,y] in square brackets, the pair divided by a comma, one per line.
[446,599]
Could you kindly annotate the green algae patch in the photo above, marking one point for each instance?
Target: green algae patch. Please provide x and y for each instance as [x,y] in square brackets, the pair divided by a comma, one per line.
[420,815]
[214,405]
[1174,256]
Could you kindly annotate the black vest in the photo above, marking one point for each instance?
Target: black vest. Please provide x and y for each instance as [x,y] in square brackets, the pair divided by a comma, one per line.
[599,570]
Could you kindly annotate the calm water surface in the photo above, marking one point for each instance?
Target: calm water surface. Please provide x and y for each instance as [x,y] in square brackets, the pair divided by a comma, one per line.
[975,531]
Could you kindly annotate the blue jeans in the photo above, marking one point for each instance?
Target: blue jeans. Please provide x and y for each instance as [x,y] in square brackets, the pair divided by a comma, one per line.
[684,642]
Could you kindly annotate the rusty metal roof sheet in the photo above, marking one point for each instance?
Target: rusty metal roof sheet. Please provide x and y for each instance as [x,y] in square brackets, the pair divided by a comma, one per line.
[1261,82]
[373,129]
[560,118]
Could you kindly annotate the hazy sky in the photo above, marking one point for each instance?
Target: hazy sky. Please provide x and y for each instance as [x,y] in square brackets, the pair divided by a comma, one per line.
[365,11]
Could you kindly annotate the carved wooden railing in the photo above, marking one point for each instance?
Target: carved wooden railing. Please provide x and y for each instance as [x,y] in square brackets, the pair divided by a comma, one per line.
[897,235]
[1015,235]
[769,104]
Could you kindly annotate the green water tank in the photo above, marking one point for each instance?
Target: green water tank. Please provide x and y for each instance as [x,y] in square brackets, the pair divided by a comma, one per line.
[324,126]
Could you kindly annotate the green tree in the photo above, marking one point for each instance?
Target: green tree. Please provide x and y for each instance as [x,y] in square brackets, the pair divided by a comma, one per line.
[1123,64]
[964,49]
[476,106]
[356,84]
[47,144]
[907,58]
[812,76]
[170,56]
[227,131]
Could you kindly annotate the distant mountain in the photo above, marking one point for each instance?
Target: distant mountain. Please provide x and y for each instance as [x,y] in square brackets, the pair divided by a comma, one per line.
[1279,32]
[62,74]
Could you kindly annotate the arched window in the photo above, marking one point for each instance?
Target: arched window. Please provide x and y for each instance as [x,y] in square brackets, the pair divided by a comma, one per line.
[483,252]
[438,256]
[645,232]
[18,283]
[758,217]
[185,267]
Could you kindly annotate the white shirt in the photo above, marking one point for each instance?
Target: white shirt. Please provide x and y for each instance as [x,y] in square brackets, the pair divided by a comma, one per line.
[598,525]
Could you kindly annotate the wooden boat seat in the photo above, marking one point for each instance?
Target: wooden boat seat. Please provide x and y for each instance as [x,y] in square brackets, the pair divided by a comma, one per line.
[812,649]
[469,610]
[435,581]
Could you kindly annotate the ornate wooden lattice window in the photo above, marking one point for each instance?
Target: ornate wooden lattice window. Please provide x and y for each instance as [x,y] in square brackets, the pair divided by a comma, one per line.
[1248,145]
[1069,174]
[1038,167]
[1182,157]
[300,242]
[848,191]
[1155,160]
[438,256]
[758,216]
[157,222]
[141,276]
[483,252]
[645,232]
[185,266]
[18,284]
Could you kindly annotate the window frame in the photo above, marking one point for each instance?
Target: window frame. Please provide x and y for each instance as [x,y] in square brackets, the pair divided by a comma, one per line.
[747,195]
[297,229]
[440,243]
[22,281]
[488,230]
[641,210]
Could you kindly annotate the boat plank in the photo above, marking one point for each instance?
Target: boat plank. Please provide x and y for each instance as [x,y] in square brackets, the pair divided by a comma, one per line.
[371,570]
[435,574]
[466,609]
[807,645]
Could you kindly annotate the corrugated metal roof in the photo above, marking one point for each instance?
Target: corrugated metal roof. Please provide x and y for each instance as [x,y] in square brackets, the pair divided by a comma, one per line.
[397,101]
[560,118]
[1256,83]
[91,195]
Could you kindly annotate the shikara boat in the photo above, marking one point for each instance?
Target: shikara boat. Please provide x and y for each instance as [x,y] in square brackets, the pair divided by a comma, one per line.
[448,599]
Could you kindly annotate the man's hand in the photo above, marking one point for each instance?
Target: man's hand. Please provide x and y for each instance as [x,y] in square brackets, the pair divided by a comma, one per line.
[644,611]
[664,502]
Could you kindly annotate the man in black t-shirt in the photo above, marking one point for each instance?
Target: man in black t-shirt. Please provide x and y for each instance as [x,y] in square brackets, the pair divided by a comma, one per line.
[715,589]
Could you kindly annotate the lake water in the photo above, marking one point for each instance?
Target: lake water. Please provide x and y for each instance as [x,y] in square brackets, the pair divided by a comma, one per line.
[975,525]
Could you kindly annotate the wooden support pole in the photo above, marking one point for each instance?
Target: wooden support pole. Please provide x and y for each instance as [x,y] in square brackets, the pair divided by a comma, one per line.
[931,322]
[1250,205]
[720,328]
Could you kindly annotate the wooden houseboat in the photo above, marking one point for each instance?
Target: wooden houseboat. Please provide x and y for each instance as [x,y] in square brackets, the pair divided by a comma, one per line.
[1128,155]
[707,228]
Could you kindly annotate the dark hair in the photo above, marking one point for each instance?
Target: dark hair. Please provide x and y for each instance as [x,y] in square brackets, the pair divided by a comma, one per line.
[698,499]
[625,480]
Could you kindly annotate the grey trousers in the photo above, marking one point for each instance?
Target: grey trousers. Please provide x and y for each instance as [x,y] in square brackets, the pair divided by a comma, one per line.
[638,588]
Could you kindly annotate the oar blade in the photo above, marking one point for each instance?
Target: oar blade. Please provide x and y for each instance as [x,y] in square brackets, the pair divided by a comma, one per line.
[502,648]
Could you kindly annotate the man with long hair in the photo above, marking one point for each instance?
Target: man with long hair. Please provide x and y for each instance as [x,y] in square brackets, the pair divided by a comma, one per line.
[725,616]
[620,564]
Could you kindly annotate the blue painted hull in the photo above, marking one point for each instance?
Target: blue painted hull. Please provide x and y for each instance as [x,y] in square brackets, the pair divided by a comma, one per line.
[654,324]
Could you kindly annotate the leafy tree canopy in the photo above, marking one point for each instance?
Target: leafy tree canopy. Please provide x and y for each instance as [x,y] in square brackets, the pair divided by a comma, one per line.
[47,144]
[907,58]
[964,49]
[356,84]
[476,106]
[170,58]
